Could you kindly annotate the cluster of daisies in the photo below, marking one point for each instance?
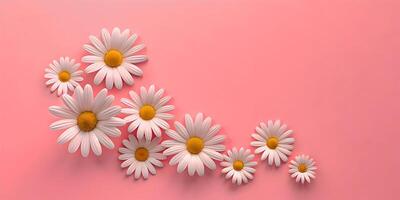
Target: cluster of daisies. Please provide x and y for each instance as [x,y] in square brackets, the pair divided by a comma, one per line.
[89,120]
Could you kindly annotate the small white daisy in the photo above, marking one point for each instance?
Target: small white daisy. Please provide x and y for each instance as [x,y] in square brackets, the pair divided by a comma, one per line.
[140,156]
[89,120]
[302,168]
[114,58]
[274,141]
[147,112]
[195,145]
[238,165]
[64,75]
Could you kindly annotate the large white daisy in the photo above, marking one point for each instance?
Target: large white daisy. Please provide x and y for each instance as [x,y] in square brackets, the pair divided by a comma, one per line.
[114,57]
[238,165]
[140,156]
[195,145]
[63,75]
[147,112]
[89,120]
[302,168]
[273,142]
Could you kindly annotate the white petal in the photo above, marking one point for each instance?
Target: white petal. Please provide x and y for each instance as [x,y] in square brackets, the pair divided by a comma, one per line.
[128,44]
[100,75]
[95,144]
[125,75]
[177,158]
[117,79]
[133,126]
[62,112]
[113,121]
[213,154]
[215,140]
[75,143]
[132,167]
[213,130]
[63,124]
[145,171]
[174,150]
[94,67]
[134,49]
[70,103]
[175,136]
[183,163]
[150,167]
[109,79]
[87,101]
[127,163]
[99,100]
[92,50]
[92,59]
[85,144]
[116,38]
[105,35]
[138,170]
[133,69]
[136,59]
[207,161]
[67,135]
[161,123]
[189,124]
[166,108]
[181,130]
[109,112]
[111,131]
[96,42]
[103,139]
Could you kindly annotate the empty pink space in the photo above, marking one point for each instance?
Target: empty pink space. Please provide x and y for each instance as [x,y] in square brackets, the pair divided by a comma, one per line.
[328,69]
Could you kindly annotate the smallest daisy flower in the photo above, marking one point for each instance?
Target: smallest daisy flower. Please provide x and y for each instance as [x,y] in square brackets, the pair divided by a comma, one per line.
[302,168]
[140,156]
[64,75]
[239,165]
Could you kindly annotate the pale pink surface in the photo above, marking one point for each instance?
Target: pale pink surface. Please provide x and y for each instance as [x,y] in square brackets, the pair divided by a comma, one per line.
[329,69]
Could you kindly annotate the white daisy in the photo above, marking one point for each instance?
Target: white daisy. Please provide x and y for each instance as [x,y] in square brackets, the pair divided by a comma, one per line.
[140,156]
[238,165]
[274,141]
[63,74]
[303,168]
[89,120]
[147,112]
[114,58]
[195,145]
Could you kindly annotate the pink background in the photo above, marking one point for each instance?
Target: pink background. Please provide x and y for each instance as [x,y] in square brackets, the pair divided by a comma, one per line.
[329,69]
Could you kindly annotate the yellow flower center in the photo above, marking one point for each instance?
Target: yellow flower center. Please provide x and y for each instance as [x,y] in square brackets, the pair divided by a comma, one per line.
[272,142]
[147,112]
[64,76]
[141,154]
[194,145]
[113,58]
[87,121]
[302,168]
[238,165]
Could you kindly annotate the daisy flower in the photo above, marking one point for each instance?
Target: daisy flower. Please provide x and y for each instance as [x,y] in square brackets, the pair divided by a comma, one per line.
[238,165]
[63,74]
[140,156]
[273,141]
[114,57]
[88,120]
[302,168]
[195,145]
[147,112]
